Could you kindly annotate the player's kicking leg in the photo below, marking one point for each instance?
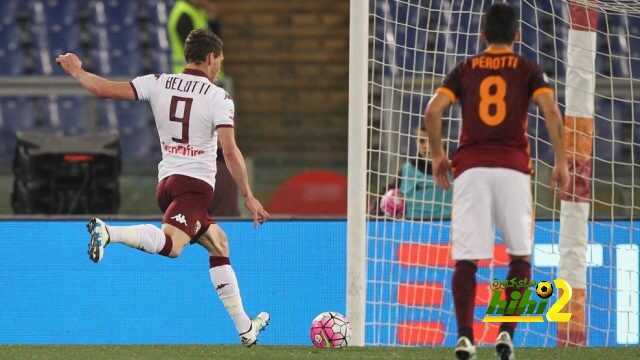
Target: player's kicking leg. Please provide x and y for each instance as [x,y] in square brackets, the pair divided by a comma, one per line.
[168,241]
[98,239]
[225,283]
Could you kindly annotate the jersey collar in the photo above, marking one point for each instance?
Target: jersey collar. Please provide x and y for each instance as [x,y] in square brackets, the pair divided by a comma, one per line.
[194,72]
[498,50]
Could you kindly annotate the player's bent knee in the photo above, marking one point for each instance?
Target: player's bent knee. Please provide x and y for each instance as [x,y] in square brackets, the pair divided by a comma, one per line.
[177,248]
[176,241]
[175,252]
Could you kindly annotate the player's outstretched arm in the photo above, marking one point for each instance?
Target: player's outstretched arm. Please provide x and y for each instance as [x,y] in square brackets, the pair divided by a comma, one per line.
[553,121]
[433,123]
[236,165]
[95,84]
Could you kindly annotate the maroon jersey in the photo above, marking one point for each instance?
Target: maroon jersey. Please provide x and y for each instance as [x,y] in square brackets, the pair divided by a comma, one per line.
[494,90]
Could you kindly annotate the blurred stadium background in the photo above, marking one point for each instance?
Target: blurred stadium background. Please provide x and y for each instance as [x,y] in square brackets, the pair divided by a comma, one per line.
[287,61]
[287,65]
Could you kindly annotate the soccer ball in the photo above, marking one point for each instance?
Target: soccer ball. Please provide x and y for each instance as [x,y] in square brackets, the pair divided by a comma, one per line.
[330,330]
[392,203]
[544,289]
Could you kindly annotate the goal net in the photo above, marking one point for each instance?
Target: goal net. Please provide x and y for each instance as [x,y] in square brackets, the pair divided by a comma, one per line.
[590,50]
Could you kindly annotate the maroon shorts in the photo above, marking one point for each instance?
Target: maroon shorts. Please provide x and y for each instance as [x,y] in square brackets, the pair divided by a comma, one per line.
[184,201]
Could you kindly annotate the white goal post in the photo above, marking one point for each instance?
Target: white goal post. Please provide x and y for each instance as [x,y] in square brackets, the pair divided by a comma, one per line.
[357,160]
[398,266]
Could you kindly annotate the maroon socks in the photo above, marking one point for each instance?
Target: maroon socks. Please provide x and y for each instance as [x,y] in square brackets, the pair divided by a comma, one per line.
[464,296]
[521,270]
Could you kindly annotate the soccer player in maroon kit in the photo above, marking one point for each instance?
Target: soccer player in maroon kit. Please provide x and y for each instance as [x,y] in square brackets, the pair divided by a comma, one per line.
[492,165]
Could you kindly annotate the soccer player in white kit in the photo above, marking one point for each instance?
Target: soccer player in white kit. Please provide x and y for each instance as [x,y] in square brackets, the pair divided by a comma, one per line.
[192,115]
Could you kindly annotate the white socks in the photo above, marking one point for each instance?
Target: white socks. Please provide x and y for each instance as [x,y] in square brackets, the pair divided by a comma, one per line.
[143,237]
[225,283]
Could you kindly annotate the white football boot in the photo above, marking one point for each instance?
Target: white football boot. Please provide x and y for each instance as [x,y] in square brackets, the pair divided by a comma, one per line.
[98,239]
[465,350]
[504,347]
[258,324]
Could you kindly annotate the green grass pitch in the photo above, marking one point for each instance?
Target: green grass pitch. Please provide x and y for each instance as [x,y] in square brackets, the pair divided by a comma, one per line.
[291,352]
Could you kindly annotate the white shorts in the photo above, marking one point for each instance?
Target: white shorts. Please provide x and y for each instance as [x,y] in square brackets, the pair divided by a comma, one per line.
[485,199]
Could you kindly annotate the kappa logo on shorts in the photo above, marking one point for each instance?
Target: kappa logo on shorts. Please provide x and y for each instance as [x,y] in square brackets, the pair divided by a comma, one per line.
[198,226]
[180,218]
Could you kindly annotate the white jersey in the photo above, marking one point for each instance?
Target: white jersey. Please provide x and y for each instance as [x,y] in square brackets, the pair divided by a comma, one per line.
[188,109]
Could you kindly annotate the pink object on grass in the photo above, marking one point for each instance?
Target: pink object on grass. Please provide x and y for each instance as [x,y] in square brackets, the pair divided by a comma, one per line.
[330,330]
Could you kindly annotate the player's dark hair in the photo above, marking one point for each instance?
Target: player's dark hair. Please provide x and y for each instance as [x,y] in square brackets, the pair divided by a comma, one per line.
[500,24]
[199,44]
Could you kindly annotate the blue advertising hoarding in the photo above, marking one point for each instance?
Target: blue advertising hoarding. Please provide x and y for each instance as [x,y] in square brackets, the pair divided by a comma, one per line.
[51,293]
[398,314]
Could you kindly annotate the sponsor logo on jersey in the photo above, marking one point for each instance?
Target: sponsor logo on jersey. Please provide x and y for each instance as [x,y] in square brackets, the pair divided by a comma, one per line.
[180,149]
[180,219]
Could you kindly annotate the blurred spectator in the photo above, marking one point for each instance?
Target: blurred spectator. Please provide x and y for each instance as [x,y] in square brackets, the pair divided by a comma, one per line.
[423,200]
[184,17]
